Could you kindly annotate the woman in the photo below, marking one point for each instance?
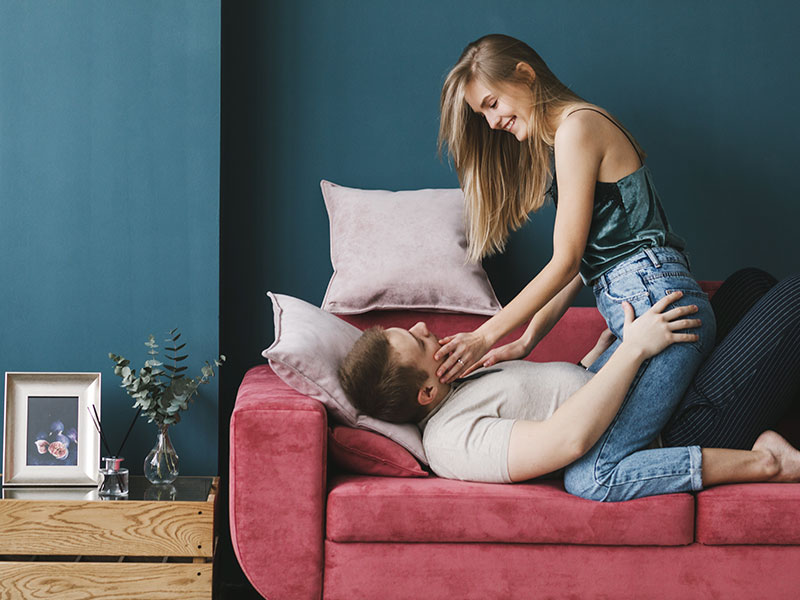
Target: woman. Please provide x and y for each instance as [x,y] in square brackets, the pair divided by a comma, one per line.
[505,119]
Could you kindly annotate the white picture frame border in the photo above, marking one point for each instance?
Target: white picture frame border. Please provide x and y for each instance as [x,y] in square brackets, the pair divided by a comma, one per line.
[19,386]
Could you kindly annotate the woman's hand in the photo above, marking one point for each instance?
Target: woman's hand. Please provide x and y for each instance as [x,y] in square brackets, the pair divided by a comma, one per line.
[653,331]
[463,351]
[515,350]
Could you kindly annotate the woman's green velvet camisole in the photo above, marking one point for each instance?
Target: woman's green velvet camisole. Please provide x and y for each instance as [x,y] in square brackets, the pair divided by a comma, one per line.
[626,217]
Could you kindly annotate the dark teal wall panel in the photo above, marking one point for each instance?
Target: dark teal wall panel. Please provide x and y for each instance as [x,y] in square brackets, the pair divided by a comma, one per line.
[349,91]
[109,196]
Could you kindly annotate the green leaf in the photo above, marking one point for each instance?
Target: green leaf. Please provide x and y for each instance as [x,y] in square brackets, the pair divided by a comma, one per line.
[162,391]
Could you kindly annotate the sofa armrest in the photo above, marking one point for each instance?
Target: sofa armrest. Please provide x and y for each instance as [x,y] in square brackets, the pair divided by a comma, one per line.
[278,453]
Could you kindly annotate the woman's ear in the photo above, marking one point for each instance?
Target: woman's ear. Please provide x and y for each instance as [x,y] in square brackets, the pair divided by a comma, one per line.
[526,71]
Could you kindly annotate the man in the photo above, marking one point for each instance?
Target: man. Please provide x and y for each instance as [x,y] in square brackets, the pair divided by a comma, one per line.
[518,420]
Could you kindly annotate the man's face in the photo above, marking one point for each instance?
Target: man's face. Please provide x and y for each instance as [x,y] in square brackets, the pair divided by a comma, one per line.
[415,347]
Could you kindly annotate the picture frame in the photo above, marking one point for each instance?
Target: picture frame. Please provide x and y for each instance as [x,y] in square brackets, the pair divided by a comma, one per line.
[49,437]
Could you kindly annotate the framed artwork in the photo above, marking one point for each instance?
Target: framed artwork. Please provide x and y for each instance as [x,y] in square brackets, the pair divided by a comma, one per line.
[49,437]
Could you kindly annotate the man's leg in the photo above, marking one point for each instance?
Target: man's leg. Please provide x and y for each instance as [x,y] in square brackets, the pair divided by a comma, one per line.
[750,379]
[737,295]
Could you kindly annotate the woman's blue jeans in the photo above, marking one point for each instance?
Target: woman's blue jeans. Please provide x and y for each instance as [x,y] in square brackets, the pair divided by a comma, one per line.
[619,466]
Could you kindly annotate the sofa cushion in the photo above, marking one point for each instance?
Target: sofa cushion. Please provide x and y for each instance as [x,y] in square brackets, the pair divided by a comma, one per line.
[368,453]
[380,509]
[750,513]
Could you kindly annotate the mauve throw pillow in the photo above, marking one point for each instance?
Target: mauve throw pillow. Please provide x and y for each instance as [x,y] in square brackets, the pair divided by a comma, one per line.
[309,346]
[369,453]
[402,250]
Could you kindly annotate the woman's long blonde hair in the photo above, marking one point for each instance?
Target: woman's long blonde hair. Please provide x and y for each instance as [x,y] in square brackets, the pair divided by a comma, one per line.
[503,180]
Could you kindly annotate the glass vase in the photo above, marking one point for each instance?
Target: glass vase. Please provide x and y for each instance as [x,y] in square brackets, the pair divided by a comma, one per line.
[161,464]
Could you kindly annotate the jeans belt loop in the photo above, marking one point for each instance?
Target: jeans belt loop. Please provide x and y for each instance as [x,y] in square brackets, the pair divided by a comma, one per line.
[688,262]
[652,256]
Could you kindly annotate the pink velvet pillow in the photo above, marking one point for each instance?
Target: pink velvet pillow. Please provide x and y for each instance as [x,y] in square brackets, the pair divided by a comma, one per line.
[402,250]
[309,346]
[369,453]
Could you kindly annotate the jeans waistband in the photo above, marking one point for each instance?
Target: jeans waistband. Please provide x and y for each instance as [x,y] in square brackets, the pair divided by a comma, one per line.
[654,256]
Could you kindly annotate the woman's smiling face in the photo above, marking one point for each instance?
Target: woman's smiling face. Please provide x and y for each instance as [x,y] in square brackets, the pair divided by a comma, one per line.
[502,111]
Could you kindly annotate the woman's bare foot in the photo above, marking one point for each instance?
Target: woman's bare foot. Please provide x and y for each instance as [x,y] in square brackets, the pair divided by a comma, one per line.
[787,456]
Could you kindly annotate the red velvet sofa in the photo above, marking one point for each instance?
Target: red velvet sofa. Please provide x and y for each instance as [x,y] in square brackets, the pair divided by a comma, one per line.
[303,530]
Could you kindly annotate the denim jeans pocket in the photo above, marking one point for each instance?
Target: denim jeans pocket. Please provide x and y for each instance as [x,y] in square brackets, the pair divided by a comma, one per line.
[609,299]
[630,288]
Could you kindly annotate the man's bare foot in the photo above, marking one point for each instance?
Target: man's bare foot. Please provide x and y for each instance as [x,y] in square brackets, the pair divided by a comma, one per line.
[788,456]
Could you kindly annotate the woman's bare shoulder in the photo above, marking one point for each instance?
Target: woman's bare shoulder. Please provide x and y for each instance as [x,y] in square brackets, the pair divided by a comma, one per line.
[580,118]
[580,127]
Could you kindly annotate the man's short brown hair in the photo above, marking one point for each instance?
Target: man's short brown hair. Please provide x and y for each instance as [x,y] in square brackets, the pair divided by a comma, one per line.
[378,384]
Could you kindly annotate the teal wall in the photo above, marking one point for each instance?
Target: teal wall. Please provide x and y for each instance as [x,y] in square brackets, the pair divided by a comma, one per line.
[349,91]
[110,155]
[109,196]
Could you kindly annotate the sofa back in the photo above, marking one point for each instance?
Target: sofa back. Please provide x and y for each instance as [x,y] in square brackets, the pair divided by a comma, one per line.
[572,337]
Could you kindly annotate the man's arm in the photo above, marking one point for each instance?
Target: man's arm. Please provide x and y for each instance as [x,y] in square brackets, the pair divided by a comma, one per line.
[603,342]
[539,447]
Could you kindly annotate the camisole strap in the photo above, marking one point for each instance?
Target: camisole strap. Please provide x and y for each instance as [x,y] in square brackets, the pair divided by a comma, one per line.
[616,124]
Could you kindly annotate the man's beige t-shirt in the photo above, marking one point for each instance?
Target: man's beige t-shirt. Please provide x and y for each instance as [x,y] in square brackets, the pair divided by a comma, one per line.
[467,435]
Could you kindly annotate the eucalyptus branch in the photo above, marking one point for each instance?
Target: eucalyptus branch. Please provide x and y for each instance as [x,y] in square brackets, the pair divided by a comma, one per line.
[161,390]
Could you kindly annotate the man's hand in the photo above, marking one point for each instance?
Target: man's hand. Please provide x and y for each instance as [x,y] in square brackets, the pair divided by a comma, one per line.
[653,331]
[603,342]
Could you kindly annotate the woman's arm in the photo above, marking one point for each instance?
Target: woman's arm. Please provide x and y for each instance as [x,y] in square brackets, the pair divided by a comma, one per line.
[578,155]
[539,447]
[540,325]
[544,320]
